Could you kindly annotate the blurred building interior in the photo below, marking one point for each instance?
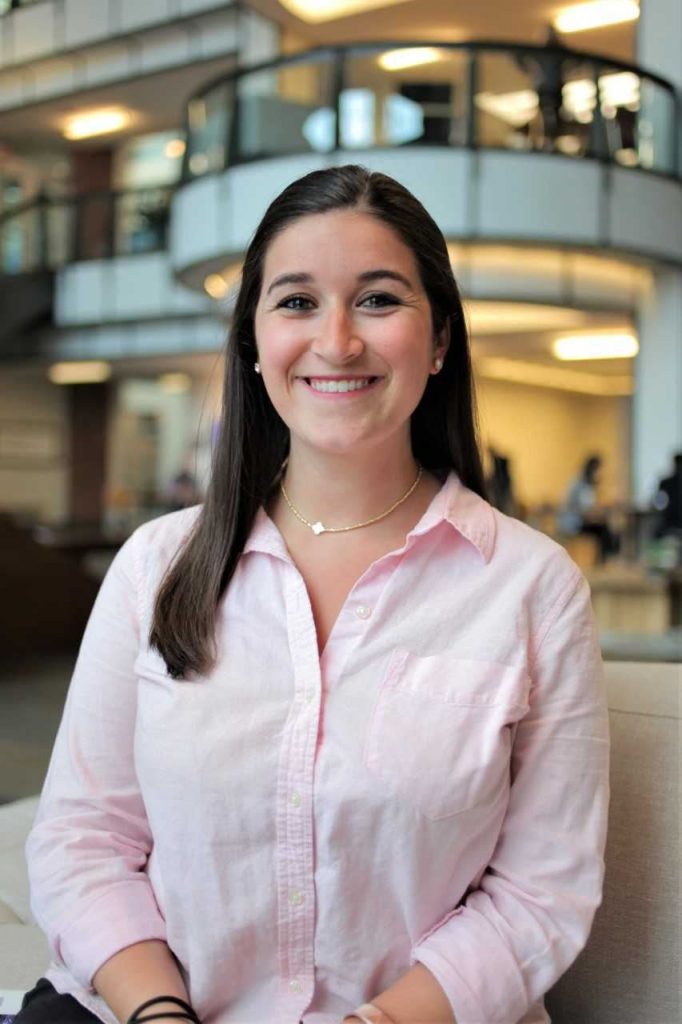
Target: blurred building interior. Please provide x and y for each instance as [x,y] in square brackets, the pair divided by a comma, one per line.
[139,145]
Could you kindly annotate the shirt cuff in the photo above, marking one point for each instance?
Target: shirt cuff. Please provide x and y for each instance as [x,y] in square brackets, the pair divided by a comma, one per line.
[127,914]
[478,974]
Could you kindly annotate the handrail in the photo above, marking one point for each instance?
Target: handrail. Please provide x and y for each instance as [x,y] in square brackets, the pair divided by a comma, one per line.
[47,232]
[600,146]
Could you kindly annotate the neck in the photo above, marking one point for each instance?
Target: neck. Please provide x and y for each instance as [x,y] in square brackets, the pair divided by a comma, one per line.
[342,489]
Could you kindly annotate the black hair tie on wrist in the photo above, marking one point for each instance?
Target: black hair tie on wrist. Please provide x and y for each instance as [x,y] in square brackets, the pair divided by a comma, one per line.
[187,1014]
[164,1016]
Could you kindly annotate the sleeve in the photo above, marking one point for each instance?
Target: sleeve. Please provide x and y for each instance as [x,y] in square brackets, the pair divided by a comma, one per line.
[90,840]
[515,934]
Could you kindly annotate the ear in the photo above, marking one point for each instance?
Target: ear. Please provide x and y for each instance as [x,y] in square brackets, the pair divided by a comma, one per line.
[441,343]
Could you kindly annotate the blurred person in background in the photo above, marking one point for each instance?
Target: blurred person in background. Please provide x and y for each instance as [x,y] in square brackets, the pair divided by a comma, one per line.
[580,513]
[500,486]
[668,502]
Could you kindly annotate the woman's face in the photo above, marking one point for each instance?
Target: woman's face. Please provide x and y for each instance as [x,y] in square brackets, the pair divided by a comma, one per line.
[343,331]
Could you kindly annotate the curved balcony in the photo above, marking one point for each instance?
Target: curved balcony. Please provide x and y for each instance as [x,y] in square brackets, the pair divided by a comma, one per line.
[109,252]
[501,142]
[48,232]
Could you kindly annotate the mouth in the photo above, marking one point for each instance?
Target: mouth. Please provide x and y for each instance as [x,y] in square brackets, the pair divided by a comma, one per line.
[339,385]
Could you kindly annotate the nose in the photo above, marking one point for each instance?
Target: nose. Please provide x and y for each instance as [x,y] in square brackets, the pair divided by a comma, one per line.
[337,340]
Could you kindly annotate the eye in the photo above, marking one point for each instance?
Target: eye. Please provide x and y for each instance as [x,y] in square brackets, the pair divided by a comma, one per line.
[294,302]
[379,300]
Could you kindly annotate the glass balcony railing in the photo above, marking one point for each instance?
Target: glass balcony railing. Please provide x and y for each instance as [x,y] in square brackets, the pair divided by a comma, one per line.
[48,232]
[485,95]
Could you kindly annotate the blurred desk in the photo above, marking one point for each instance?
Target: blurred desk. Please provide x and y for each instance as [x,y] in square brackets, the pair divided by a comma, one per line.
[628,599]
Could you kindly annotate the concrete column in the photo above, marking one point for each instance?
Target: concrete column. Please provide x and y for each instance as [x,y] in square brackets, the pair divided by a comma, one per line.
[657,427]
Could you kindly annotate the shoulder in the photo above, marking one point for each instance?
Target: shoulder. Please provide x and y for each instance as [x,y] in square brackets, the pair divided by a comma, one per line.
[541,568]
[155,544]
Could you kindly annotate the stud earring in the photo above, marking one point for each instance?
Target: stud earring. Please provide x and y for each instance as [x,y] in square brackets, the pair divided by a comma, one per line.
[438,364]
[256,367]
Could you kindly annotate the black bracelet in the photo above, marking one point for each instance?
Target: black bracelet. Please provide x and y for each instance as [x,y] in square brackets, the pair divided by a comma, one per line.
[189,1014]
[164,1016]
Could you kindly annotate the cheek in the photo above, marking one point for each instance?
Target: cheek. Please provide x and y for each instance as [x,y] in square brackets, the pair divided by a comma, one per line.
[279,347]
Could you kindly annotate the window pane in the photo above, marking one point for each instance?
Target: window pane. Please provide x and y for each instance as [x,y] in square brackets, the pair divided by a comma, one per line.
[286,110]
[404,97]
[209,118]
[535,100]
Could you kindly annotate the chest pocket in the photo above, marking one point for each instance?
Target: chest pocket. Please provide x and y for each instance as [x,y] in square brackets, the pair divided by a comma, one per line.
[440,732]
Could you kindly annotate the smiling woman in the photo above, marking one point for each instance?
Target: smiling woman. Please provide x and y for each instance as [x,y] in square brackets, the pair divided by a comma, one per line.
[336,745]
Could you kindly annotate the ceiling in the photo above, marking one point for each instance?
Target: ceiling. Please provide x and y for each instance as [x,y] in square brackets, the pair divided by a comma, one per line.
[454,21]
[157,103]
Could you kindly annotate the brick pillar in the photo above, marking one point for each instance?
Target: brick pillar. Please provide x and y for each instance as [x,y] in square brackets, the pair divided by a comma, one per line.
[88,406]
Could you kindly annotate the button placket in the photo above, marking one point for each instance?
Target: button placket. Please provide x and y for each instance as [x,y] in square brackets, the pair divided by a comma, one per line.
[295,872]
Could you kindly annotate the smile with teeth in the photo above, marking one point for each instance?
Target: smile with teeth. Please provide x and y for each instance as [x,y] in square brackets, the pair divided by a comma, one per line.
[340,385]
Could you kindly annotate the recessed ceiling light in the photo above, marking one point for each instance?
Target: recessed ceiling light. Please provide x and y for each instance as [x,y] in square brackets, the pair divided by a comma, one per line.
[175,383]
[596,346]
[410,57]
[96,122]
[90,372]
[216,286]
[174,148]
[327,10]
[598,14]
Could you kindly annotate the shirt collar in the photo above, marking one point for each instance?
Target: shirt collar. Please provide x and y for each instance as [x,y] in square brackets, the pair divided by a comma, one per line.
[455,504]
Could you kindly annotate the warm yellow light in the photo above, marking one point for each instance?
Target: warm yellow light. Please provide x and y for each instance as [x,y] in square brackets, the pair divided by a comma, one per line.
[96,122]
[580,17]
[517,371]
[514,108]
[92,372]
[491,317]
[325,10]
[596,346]
[174,148]
[175,383]
[216,286]
[411,57]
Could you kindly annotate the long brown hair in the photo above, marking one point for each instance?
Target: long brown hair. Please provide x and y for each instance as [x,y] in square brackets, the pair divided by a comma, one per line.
[253,441]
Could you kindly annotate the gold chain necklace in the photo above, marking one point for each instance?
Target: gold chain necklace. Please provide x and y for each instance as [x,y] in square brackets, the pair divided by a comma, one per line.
[319,528]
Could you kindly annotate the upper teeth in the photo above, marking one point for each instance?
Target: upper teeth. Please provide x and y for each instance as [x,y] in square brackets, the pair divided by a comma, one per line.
[339,385]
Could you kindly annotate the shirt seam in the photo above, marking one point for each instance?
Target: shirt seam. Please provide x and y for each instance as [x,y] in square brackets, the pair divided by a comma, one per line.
[550,618]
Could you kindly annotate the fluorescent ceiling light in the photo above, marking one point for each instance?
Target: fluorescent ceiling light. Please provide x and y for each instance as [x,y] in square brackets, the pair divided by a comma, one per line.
[580,17]
[516,371]
[411,57]
[596,346]
[92,372]
[326,10]
[96,122]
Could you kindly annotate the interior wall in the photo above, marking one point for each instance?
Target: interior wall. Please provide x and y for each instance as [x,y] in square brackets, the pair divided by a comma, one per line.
[548,434]
[33,445]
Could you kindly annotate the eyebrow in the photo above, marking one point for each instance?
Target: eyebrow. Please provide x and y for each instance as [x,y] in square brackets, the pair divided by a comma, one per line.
[368,275]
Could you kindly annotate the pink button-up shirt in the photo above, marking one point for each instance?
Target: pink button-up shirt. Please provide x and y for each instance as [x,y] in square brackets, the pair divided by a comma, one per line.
[302,830]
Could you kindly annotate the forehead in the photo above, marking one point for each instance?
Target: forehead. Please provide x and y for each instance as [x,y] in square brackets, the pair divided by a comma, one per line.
[343,239]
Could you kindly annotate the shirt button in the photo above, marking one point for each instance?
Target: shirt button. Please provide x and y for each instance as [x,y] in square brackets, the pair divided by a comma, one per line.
[295,985]
[296,799]
[363,611]
[295,898]
[309,696]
